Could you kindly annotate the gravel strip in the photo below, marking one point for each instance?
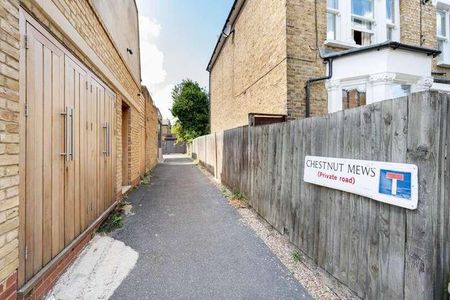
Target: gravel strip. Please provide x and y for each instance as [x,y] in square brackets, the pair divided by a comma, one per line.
[319,284]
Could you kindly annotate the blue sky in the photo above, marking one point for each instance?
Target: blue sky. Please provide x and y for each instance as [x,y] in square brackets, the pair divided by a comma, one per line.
[177,40]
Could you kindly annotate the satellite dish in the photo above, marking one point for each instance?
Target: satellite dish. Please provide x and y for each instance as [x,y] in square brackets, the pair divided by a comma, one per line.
[227,31]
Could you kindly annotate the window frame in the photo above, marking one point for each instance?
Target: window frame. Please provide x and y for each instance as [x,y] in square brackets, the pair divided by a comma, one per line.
[380,24]
[336,13]
[390,23]
[444,57]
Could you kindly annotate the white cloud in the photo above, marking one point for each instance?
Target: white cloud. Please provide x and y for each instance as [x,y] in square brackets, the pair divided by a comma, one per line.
[152,64]
[163,100]
[152,59]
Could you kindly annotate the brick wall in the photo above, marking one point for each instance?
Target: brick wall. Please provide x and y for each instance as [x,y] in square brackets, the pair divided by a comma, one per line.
[303,58]
[9,146]
[151,132]
[249,75]
[410,27]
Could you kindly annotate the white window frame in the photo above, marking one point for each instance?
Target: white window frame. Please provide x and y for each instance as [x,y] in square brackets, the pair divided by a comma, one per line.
[336,13]
[444,58]
[391,25]
[380,24]
[363,29]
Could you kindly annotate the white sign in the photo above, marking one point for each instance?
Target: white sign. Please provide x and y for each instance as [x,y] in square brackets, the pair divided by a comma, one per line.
[391,183]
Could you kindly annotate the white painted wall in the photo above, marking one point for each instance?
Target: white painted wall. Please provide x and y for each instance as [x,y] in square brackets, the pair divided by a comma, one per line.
[121,20]
[381,73]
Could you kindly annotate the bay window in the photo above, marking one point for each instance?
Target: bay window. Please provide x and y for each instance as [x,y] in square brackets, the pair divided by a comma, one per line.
[361,22]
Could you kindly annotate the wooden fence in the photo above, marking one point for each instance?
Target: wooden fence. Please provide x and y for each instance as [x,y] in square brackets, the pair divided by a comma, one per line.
[378,250]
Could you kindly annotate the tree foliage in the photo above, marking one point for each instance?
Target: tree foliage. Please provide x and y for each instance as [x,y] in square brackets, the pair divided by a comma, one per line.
[191,108]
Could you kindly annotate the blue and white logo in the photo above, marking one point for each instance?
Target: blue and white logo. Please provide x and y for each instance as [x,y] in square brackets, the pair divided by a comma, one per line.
[395,183]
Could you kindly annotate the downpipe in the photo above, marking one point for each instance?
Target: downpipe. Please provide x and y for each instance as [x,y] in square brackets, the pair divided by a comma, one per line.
[313,80]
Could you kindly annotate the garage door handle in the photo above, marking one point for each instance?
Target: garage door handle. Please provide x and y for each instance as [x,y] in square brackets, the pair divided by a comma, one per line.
[105,139]
[66,133]
[108,146]
[72,136]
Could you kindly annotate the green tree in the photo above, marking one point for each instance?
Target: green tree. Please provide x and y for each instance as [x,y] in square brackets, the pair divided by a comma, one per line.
[191,108]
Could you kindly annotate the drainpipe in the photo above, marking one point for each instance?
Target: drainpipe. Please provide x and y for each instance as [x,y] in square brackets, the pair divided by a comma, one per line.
[312,80]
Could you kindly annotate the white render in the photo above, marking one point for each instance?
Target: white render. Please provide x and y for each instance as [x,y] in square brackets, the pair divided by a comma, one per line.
[381,72]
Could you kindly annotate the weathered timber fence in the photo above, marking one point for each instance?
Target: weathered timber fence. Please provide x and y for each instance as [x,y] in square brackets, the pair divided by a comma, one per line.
[378,250]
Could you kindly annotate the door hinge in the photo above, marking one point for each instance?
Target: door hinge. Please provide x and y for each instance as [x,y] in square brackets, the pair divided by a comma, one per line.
[87,85]
[25,41]
[26,110]
[26,253]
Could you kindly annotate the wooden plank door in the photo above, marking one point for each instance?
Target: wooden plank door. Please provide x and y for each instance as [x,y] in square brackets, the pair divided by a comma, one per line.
[91,162]
[44,164]
[110,100]
[98,98]
[69,169]
[75,95]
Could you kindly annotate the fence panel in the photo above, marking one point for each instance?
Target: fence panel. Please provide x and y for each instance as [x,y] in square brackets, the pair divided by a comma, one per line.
[377,250]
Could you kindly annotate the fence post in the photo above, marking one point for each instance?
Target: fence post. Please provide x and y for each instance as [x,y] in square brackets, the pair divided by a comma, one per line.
[215,151]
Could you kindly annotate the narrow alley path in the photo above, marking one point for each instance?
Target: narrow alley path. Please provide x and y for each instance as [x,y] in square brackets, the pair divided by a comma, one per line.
[192,245]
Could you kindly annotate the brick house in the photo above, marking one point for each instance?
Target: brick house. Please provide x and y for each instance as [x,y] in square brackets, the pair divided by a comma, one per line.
[75,126]
[269,51]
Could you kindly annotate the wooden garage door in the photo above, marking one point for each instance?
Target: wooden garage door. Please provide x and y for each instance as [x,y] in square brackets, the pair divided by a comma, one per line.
[69,163]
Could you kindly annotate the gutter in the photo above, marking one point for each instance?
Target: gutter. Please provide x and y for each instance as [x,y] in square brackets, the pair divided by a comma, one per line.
[234,12]
[377,47]
[441,80]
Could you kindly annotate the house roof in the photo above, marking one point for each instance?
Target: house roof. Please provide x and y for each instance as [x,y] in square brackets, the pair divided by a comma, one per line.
[232,16]
[377,47]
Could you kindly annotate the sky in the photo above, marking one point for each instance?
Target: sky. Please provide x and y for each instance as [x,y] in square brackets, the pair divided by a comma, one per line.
[177,39]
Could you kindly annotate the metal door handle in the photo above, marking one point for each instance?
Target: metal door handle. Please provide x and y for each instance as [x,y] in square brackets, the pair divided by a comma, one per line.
[105,137]
[109,140]
[72,146]
[66,133]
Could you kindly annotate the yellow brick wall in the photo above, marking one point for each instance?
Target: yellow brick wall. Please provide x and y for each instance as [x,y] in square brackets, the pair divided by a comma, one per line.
[152,137]
[9,136]
[303,59]
[249,75]
[151,132]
